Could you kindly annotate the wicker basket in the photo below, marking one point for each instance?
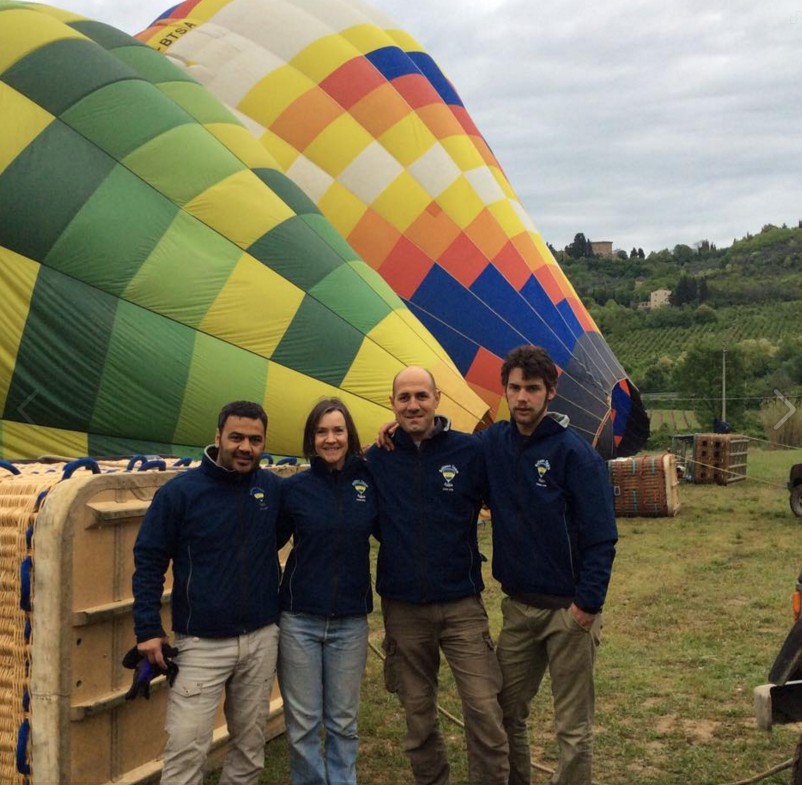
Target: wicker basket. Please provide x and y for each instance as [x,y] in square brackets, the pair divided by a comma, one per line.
[645,486]
[719,458]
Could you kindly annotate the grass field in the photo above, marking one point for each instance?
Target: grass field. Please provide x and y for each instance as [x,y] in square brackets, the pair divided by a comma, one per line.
[676,420]
[698,607]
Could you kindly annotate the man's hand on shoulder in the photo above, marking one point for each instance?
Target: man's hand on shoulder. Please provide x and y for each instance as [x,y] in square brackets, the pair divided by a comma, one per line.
[384,437]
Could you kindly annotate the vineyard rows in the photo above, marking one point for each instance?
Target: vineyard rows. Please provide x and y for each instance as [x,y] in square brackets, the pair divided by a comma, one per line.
[677,421]
[771,321]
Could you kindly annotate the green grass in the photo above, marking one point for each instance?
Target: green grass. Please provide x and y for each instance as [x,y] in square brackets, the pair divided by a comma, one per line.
[676,420]
[698,607]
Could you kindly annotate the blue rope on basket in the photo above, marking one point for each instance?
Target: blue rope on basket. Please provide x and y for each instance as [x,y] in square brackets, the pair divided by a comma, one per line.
[23,767]
[25,584]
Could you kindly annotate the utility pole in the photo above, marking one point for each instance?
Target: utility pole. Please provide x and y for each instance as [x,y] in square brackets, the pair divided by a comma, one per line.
[724,385]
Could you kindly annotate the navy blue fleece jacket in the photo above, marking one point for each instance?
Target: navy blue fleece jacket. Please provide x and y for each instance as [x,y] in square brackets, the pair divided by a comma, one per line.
[330,516]
[429,502]
[218,528]
[554,529]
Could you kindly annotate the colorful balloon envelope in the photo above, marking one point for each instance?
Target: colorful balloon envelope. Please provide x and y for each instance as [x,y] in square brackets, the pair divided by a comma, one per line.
[364,121]
[155,263]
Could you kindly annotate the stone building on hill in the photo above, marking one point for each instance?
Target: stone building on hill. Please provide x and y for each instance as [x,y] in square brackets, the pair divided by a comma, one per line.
[602,247]
[659,298]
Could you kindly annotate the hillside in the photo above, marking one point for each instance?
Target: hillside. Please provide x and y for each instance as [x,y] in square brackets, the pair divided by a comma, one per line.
[756,268]
[640,343]
[738,307]
[749,292]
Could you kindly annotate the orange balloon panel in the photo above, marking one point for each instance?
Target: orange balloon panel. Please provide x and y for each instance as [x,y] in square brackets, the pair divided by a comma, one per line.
[363,119]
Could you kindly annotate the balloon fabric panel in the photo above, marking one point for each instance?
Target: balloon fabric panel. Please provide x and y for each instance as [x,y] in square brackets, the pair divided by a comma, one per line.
[118,227]
[19,280]
[137,387]
[63,170]
[133,211]
[366,122]
[62,352]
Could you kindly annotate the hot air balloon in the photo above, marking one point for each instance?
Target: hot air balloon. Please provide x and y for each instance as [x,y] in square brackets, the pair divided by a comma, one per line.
[364,121]
[155,262]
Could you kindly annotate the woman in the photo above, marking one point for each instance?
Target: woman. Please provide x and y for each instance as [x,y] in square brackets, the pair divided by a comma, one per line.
[330,511]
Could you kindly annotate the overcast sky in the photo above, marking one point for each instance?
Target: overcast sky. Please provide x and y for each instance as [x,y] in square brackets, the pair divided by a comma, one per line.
[648,124]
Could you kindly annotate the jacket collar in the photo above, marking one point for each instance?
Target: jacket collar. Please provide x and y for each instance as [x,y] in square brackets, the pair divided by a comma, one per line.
[351,465]
[210,467]
[552,423]
[442,425]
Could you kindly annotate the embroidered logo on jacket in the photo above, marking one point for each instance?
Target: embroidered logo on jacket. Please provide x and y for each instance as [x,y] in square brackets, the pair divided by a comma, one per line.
[542,467]
[259,496]
[360,486]
[448,473]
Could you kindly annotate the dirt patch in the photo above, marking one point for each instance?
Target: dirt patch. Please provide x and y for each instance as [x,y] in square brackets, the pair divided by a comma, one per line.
[695,731]
[640,771]
[700,730]
[665,725]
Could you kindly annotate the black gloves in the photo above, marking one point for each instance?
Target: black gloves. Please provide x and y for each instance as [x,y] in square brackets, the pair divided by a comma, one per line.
[145,672]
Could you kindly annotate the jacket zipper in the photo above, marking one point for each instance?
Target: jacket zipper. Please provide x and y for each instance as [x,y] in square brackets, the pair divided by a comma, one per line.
[422,553]
[338,547]
[243,557]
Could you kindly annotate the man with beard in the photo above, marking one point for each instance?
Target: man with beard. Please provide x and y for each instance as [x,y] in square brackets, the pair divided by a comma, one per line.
[554,537]
[217,525]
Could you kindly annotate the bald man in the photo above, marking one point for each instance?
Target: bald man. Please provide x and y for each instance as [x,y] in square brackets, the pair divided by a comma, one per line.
[430,490]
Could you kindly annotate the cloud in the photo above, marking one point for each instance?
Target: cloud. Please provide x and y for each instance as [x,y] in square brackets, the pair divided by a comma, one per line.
[648,124]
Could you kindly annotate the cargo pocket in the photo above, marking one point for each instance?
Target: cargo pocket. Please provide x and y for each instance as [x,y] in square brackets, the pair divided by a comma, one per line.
[392,681]
[183,721]
[187,689]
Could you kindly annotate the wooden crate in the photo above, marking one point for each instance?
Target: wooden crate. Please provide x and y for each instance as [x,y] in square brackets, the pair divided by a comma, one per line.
[719,458]
[645,486]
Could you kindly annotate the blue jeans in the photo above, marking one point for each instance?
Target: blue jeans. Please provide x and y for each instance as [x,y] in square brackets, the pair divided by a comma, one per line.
[320,666]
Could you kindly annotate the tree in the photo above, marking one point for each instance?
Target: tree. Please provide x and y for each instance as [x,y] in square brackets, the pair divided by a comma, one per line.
[683,253]
[684,292]
[702,290]
[657,377]
[758,355]
[660,257]
[789,356]
[704,314]
[698,376]
[580,248]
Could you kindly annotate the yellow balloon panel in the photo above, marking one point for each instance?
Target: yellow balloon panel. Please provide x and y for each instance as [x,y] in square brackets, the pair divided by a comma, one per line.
[159,264]
[17,280]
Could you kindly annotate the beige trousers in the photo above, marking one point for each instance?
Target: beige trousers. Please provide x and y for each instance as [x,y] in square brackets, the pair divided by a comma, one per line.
[531,640]
[243,668]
